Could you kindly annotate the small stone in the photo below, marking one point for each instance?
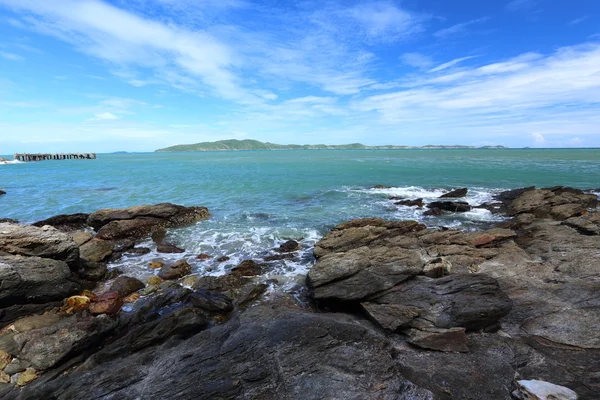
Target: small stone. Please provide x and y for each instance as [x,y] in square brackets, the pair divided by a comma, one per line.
[203,256]
[541,390]
[222,259]
[132,298]
[29,375]
[74,303]
[108,303]
[175,271]
[4,377]
[437,268]
[277,257]
[5,359]
[156,264]
[154,280]
[16,366]
[410,203]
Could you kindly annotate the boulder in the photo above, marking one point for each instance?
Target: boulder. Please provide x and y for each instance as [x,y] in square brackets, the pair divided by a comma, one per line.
[211,301]
[45,242]
[247,268]
[140,221]
[107,303]
[65,222]
[541,390]
[45,346]
[125,285]
[453,206]
[34,280]
[462,192]
[466,301]
[96,250]
[175,271]
[81,237]
[288,247]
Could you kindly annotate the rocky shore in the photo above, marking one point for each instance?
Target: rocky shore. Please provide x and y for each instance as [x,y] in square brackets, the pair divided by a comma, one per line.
[394,309]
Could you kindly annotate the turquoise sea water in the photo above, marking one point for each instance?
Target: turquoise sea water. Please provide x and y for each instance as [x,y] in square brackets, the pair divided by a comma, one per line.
[261,198]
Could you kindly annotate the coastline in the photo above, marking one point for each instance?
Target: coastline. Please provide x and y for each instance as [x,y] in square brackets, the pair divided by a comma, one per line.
[505,295]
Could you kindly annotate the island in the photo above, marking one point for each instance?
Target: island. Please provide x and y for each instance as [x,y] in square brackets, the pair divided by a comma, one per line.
[249,144]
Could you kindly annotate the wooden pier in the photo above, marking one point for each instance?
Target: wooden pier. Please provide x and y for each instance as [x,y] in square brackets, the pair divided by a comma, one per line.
[54,156]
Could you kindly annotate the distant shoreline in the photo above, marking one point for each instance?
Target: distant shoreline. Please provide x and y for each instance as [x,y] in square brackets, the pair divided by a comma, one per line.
[244,145]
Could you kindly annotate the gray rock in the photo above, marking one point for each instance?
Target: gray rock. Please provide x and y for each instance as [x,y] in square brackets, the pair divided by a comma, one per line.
[447,340]
[96,250]
[125,285]
[45,242]
[65,222]
[453,206]
[540,390]
[462,192]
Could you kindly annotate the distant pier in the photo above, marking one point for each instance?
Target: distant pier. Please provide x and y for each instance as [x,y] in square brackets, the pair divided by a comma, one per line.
[54,156]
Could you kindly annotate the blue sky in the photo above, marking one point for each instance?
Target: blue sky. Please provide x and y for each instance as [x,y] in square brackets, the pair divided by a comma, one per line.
[91,75]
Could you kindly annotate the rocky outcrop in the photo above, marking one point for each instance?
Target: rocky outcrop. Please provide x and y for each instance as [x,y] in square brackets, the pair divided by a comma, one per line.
[462,192]
[452,206]
[139,221]
[65,222]
[45,242]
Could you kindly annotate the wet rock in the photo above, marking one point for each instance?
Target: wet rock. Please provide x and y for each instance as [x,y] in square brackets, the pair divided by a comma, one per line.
[462,192]
[76,303]
[138,251]
[189,281]
[203,256]
[381,187]
[125,285]
[540,390]
[211,301]
[278,257]
[288,247]
[156,264]
[222,259]
[248,293]
[168,248]
[158,236]
[247,268]
[452,206]
[140,221]
[2,192]
[96,250]
[466,301]
[434,212]
[154,280]
[447,340]
[65,222]
[175,271]
[410,203]
[107,303]
[45,242]
[81,237]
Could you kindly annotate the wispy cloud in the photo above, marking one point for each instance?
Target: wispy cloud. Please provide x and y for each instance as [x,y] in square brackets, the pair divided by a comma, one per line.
[450,63]
[522,5]
[458,29]
[417,60]
[579,20]
[105,116]
[10,56]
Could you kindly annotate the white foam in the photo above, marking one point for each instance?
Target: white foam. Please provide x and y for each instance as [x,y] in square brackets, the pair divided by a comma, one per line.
[6,162]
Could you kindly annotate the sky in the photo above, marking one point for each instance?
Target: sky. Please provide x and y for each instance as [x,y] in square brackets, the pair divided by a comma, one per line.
[138,75]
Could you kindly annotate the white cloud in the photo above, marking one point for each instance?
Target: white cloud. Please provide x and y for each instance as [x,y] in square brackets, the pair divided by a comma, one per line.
[417,60]
[105,116]
[458,28]
[383,19]
[450,63]
[538,138]
[10,56]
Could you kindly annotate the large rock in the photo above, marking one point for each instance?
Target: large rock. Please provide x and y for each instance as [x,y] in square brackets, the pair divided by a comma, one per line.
[453,206]
[45,242]
[140,221]
[65,222]
[466,301]
[96,250]
[45,345]
[558,203]
[271,351]
[34,280]
[462,192]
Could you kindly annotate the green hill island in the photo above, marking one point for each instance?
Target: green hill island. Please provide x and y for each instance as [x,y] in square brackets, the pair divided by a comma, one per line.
[249,144]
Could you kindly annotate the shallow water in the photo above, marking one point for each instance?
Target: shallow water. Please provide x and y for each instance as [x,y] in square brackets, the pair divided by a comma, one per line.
[259,199]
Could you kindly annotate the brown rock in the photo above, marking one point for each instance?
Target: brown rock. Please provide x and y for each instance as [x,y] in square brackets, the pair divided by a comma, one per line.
[74,303]
[203,256]
[125,285]
[81,237]
[154,280]
[156,264]
[96,250]
[4,377]
[175,271]
[247,268]
[391,317]
[222,259]
[5,359]
[288,247]
[132,298]
[455,193]
[168,248]
[410,203]
[108,303]
[29,375]
[277,257]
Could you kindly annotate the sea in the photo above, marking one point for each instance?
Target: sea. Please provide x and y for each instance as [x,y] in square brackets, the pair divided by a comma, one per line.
[260,199]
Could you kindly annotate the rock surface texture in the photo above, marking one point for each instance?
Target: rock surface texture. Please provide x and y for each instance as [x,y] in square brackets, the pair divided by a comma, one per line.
[391,310]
